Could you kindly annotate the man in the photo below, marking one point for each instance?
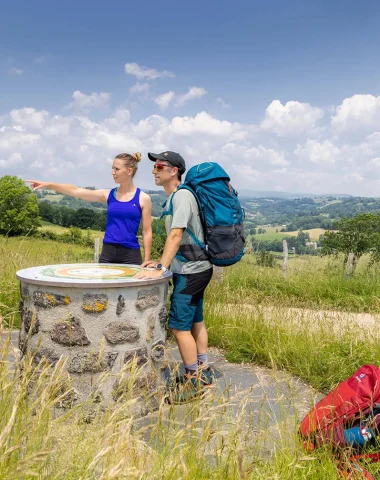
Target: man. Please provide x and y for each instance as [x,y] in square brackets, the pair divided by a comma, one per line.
[190,278]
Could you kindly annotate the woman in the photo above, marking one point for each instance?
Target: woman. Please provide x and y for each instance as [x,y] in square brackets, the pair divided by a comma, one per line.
[127,206]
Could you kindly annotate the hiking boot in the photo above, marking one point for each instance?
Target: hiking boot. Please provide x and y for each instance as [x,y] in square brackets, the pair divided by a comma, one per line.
[189,390]
[175,378]
[206,376]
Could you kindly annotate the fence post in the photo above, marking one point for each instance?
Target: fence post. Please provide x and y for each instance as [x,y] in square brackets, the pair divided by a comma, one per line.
[96,250]
[285,255]
[218,274]
[349,265]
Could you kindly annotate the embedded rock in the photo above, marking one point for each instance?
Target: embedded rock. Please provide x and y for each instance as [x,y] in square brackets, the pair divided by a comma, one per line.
[148,298]
[120,305]
[95,302]
[141,354]
[69,332]
[92,362]
[119,332]
[48,354]
[163,316]
[49,300]
[158,351]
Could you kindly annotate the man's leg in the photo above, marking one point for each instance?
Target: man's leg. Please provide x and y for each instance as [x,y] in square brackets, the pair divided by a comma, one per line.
[199,333]
[187,348]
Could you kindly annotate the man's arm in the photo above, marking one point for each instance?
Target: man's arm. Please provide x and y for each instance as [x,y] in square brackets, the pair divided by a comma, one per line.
[171,247]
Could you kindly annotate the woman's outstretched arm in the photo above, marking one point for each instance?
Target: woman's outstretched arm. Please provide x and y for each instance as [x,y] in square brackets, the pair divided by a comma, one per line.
[72,190]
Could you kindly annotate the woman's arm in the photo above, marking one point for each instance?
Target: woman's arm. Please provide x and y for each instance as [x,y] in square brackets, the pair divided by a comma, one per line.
[72,190]
[146,207]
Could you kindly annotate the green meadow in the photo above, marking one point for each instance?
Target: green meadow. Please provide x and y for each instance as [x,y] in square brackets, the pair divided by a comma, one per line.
[254,316]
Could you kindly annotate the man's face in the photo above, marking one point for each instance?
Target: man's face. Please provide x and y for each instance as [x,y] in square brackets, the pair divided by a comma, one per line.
[163,172]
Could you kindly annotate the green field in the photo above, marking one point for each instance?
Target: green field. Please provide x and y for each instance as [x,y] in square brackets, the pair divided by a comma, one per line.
[59,230]
[271,234]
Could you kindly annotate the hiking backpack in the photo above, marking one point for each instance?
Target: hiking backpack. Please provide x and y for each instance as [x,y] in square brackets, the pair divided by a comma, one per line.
[221,216]
[348,417]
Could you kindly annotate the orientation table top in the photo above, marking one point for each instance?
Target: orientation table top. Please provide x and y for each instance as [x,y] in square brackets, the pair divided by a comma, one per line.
[87,275]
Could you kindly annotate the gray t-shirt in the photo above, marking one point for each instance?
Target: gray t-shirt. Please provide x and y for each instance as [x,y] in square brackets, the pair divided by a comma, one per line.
[185,215]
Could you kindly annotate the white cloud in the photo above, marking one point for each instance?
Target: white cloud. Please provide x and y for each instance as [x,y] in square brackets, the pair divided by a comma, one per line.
[194,92]
[13,160]
[164,100]
[75,148]
[323,154]
[356,112]
[222,103]
[292,118]
[87,102]
[142,73]
[202,123]
[16,71]
[28,118]
[261,155]
[139,88]
[40,59]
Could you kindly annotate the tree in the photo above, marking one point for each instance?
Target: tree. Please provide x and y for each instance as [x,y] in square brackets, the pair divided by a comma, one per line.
[357,235]
[18,207]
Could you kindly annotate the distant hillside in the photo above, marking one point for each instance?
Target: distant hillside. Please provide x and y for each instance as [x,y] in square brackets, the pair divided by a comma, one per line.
[288,211]
[275,194]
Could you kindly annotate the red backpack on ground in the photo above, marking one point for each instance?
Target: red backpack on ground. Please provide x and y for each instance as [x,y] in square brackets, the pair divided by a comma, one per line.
[349,416]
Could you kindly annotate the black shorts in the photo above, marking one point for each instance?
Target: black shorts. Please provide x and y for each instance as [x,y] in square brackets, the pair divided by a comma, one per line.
[115,253]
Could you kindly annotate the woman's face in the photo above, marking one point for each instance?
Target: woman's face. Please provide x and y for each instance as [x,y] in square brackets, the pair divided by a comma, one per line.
[120,172]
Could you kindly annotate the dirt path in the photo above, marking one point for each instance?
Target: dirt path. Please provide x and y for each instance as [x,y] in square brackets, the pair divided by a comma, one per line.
[339,323]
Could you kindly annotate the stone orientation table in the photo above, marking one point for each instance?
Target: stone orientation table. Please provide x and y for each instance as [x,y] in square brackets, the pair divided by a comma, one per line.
[99,318]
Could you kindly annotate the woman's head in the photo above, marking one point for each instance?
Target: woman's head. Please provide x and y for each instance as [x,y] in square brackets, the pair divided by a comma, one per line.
[122,163]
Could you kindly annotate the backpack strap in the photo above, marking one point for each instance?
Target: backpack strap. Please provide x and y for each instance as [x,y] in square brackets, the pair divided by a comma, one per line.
[194,254]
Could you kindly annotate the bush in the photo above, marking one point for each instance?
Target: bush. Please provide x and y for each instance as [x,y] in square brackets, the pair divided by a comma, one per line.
[265,259]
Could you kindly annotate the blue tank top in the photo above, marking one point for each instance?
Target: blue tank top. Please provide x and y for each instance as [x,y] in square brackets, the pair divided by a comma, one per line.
[123,220]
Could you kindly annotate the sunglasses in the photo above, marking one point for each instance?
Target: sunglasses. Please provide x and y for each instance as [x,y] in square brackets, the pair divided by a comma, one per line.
[158,167]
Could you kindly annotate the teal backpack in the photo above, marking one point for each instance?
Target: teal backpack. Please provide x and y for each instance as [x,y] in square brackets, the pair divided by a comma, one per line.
[221,216]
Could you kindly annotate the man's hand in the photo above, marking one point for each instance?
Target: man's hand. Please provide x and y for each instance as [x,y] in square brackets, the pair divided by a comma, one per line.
[149,273]
[149,264]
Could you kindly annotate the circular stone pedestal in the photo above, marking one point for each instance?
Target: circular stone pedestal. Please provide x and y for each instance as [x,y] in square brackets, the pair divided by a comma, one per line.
[99,318]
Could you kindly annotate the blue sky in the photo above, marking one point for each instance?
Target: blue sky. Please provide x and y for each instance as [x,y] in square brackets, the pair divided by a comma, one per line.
[286,95]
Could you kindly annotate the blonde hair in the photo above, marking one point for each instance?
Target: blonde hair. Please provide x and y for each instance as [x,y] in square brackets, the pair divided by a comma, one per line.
[130,160]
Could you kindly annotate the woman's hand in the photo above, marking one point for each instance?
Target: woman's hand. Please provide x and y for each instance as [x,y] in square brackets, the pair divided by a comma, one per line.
[37,185]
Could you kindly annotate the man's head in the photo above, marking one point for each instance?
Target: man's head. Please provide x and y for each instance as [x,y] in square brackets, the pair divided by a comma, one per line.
[168,167]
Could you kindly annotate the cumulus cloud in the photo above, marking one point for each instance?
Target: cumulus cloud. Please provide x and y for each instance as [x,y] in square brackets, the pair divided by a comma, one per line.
[194,92]
[75,148]
[261,156]
[323,154]
[14,159]
[16,71]
[292,118]
[142,73]
[357,112]
[164,100]
[82,101]
[139,88]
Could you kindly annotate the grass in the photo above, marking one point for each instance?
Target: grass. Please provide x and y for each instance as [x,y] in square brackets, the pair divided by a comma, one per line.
[203,440]
[18,253]
[312,282]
